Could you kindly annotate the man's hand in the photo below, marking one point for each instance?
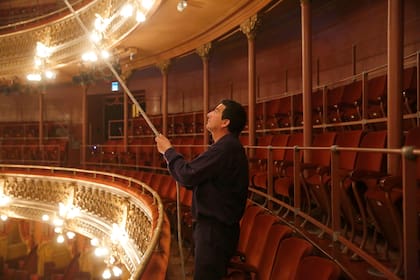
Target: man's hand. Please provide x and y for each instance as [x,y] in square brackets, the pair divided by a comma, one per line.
[162,143]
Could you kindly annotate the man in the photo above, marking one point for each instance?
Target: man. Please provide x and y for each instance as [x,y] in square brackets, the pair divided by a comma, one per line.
[219,181]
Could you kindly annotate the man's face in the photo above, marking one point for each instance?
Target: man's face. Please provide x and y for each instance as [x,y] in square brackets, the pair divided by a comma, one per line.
[214,119]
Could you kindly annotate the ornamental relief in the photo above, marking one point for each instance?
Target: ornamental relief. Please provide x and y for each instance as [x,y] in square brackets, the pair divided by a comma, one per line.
[91,199]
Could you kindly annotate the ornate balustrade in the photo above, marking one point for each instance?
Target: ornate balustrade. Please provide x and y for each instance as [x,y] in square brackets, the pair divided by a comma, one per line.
[104,200]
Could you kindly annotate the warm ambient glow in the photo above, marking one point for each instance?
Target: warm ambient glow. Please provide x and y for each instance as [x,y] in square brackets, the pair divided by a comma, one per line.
[42,53]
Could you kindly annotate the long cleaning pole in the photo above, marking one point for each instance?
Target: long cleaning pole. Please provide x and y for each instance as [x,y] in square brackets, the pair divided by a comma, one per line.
[149,123]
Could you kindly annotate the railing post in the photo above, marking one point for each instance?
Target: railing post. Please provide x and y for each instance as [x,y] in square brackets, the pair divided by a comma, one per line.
[335,193]
[410,229]
[296,181]
[270,176]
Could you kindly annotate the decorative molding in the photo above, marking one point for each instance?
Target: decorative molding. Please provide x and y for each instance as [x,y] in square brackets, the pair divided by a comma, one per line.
[204,50]
[100,205]
[249,26]
[163,66]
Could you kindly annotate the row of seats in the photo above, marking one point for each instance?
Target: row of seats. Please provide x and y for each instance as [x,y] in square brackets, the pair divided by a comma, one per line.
[188,123]
[25,130]
[52,151]
[142,151]
[368,195]
[49,260]
[334,104]
[268,249]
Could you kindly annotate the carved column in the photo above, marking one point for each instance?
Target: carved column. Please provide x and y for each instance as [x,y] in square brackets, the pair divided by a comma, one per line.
[249,29]
[163,66]
[306,75]
[203,52]
[395,72]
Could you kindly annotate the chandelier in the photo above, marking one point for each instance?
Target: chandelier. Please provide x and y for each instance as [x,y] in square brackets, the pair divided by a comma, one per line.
[39,51]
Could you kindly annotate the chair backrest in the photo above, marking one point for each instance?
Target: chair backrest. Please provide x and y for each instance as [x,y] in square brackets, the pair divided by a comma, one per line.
[377,88]
[413,139]
[322,157]
[279,140]
[317,268]
[295,139]
[371,161]
[247,223]
[276,234]
[254,251]
[289,254]
[352,92]
[263,141]
[334,96]
[351,138]
[409,78]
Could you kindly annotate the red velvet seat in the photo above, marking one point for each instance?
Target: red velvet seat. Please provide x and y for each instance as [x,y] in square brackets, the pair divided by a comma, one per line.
[334,97]
[260,264]
[247,222]
[259,179]
[384,202]
[320,186]
[368,169]
[376,93]
[253,253]
[351,101]
[289,255]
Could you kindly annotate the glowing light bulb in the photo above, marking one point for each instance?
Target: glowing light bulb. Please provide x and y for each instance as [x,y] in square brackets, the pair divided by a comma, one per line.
[147,4]
[94,242]
[182,4]
[70,235]
[127,11]
[140,17]
[60,238]
[106,274]
[117,271]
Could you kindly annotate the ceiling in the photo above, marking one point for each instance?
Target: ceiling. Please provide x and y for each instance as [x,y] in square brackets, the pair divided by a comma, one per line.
[165,34]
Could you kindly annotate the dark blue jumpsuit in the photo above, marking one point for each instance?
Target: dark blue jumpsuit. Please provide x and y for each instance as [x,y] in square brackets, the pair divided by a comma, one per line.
[219,181]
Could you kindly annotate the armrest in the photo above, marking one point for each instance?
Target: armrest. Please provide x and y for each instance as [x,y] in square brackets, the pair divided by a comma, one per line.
[356,175]
[390,182]
[247,268]
[320,170]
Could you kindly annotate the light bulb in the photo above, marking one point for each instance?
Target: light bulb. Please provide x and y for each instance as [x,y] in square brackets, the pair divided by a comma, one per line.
[182,4]
[60,238]
[3,217]
[94,242]
[140,17]
[70,235]
[147,4]
[117,271]
[106,274]
[127,11]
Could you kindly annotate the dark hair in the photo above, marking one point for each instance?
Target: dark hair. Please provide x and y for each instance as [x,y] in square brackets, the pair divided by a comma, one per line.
[236,114]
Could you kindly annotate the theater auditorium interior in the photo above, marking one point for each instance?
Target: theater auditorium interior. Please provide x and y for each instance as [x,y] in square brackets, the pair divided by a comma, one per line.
[332,94]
